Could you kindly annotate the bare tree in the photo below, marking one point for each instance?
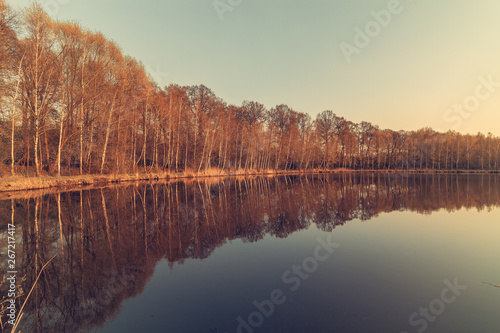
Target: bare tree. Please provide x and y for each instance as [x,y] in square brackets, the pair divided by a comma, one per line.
[40,73]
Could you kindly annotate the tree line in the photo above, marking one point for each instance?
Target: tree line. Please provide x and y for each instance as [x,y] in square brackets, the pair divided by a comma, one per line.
[72,103]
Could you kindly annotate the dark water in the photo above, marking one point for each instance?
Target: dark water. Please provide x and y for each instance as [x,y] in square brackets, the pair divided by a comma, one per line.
[345,253]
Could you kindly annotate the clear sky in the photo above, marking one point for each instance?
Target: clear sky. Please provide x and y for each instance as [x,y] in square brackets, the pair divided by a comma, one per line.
[417,63]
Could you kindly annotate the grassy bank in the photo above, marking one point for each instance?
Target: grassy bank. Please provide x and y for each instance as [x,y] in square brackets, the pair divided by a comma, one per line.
[23,183]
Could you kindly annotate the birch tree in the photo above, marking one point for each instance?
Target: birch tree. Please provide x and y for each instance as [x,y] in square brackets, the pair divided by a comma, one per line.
[39,73]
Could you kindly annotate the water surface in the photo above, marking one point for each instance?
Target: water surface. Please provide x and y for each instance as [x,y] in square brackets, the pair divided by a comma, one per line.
[338,253]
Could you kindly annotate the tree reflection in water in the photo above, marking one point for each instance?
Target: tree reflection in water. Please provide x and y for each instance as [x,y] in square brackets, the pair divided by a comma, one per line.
[109,240]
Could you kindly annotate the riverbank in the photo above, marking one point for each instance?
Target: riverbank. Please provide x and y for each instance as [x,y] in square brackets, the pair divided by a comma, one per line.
[23,183]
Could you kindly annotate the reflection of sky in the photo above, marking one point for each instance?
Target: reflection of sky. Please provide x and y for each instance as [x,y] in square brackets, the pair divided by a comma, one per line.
[428,58]
[384,270]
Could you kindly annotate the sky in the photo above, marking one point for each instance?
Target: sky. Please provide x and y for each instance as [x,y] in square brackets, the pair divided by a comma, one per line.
[404,64]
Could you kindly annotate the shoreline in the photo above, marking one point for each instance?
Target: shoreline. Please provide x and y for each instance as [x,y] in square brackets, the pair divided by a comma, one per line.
[18,183]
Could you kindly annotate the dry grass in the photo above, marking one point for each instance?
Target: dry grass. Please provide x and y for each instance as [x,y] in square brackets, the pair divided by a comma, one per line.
[20,314]
[19,183]
[23,183]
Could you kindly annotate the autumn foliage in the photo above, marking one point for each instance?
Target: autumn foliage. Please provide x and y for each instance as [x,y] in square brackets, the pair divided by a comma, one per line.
[72,103]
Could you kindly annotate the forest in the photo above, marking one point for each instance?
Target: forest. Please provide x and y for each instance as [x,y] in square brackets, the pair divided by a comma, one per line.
[71,103]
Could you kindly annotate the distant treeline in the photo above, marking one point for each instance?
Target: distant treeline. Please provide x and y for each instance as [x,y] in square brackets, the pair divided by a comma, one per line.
[71,102]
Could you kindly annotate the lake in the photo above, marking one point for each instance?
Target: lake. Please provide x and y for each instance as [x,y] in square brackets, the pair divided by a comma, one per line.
[360,252]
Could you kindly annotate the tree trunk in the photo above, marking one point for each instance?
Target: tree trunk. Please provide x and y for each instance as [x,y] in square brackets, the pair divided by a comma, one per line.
[145,133]
[82,111]
[59,148]
[107,134]
[37,135]
[203,153]
[12,156]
